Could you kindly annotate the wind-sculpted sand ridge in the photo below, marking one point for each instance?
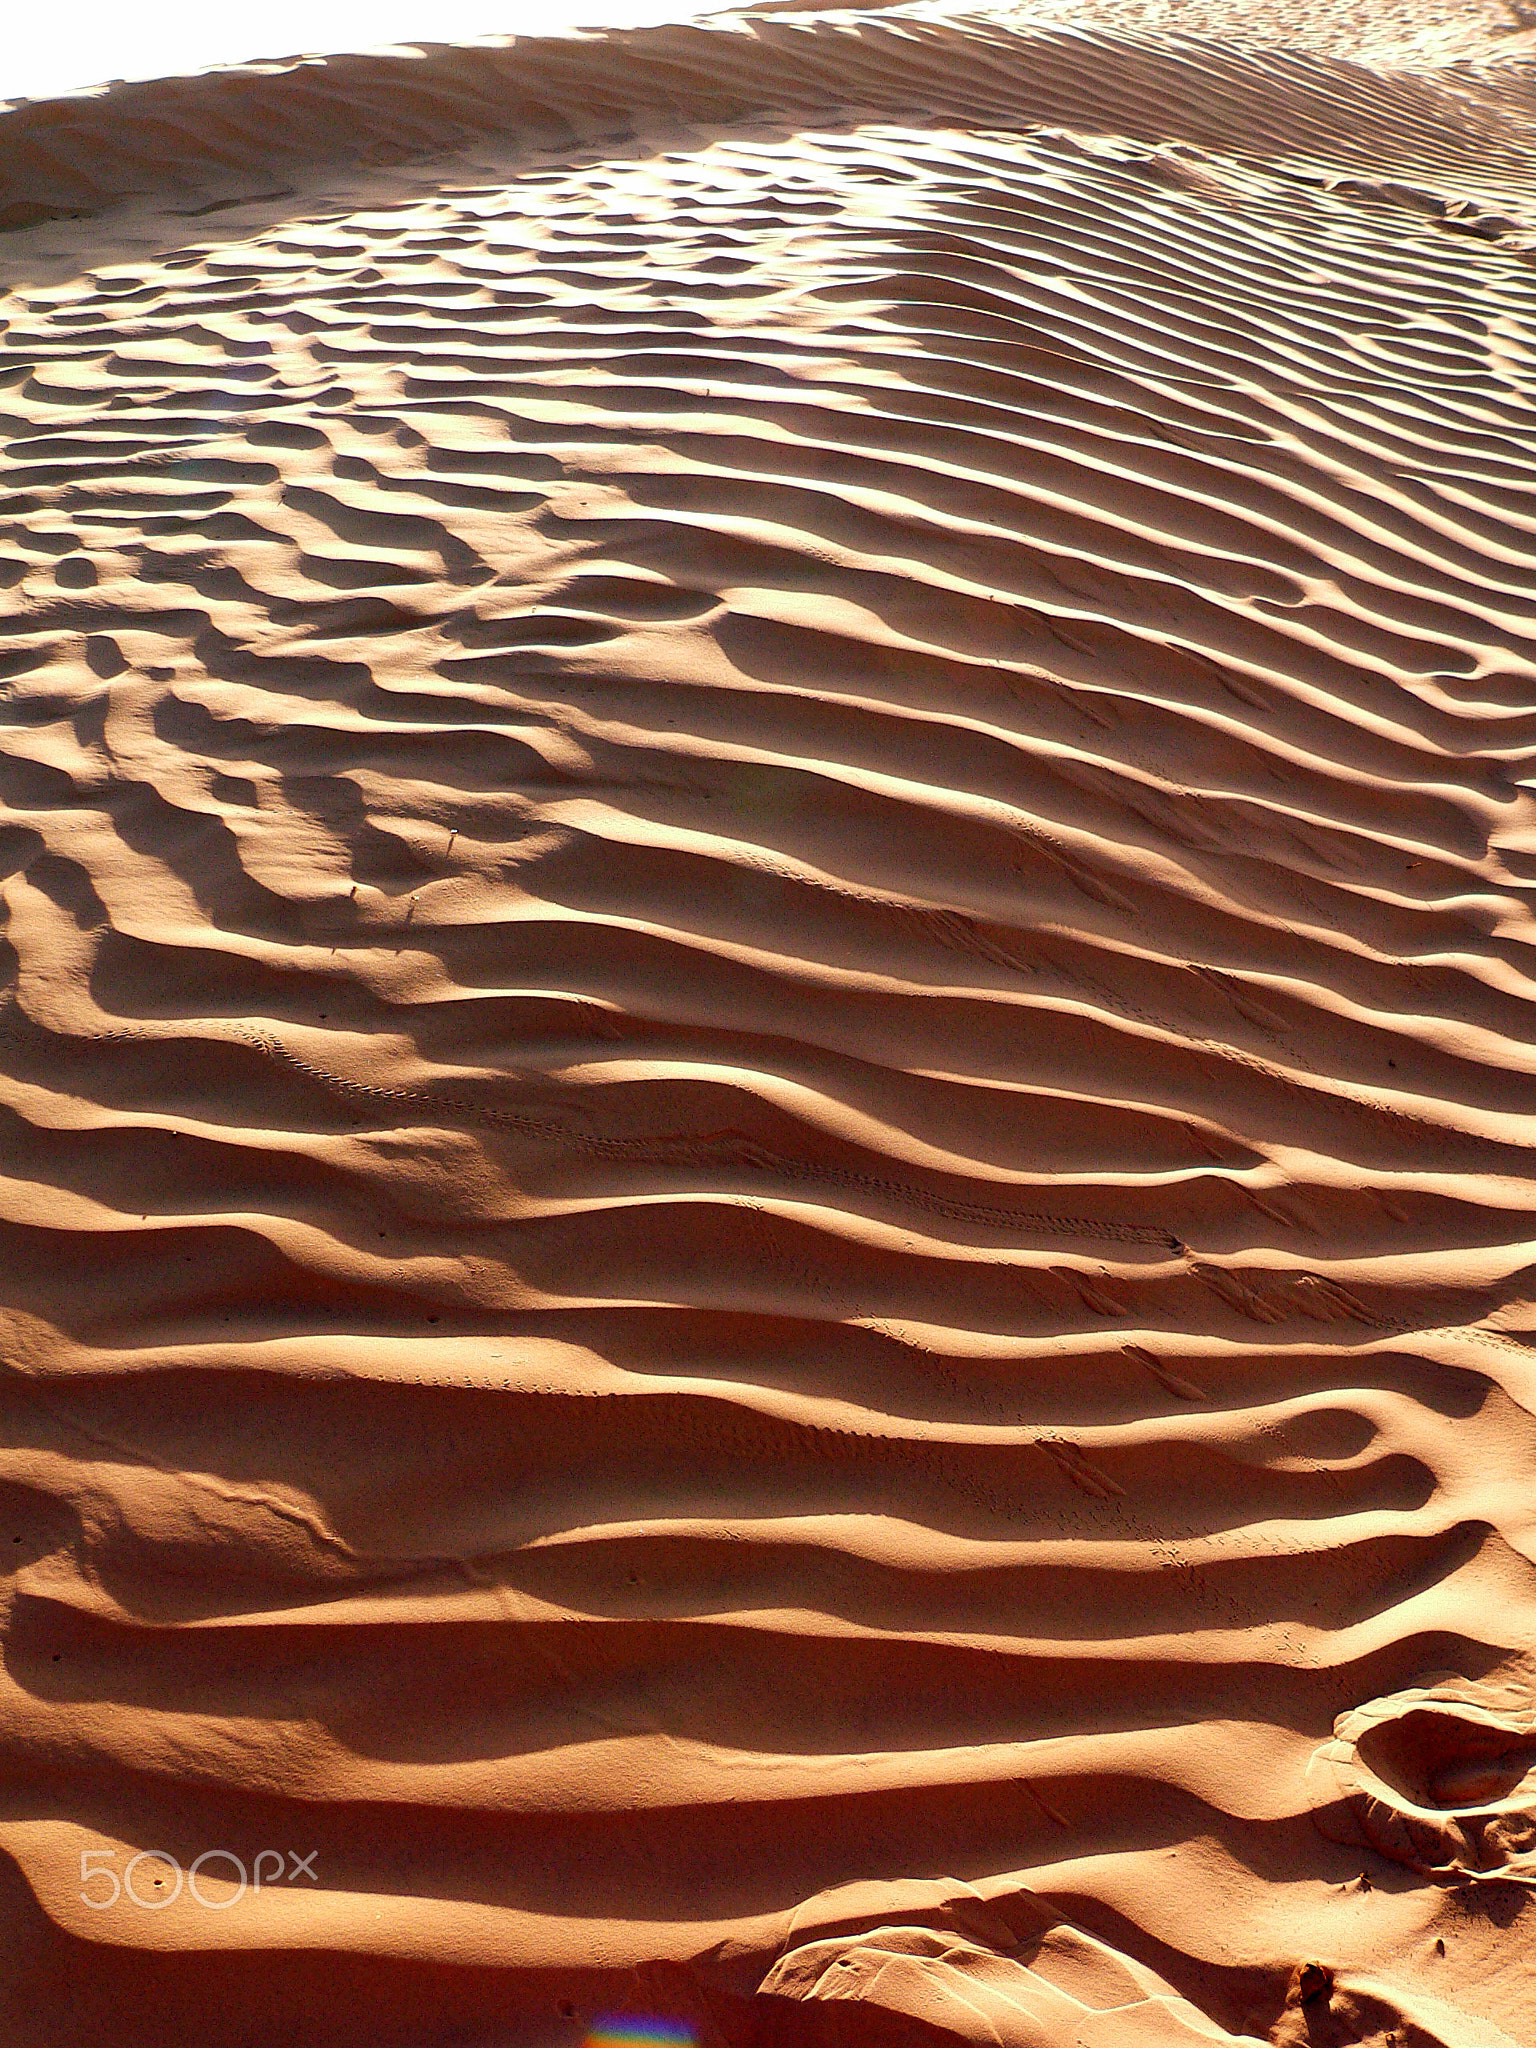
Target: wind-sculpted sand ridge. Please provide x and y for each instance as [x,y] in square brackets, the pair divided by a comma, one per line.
[767,1065]
[1466,128]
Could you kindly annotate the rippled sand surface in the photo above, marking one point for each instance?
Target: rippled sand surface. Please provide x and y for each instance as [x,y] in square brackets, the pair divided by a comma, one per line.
[767,1056]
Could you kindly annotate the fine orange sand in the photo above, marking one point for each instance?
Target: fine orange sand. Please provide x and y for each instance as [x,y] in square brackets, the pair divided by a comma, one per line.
[767,1047]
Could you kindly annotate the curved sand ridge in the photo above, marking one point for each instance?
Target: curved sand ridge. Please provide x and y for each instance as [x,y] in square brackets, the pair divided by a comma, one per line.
[768,1059]
[1467,126]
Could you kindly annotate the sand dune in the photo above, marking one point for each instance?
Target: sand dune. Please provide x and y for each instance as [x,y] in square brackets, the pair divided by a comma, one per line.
[767,1057]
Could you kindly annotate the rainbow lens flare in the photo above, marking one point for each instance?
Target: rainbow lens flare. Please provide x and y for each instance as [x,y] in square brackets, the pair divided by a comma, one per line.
[635,2030]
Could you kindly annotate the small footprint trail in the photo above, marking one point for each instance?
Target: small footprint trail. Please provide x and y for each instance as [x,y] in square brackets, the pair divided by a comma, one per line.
[767,1070]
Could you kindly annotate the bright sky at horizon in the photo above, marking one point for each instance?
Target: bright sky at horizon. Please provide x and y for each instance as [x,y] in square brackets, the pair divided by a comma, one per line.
[48,50]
